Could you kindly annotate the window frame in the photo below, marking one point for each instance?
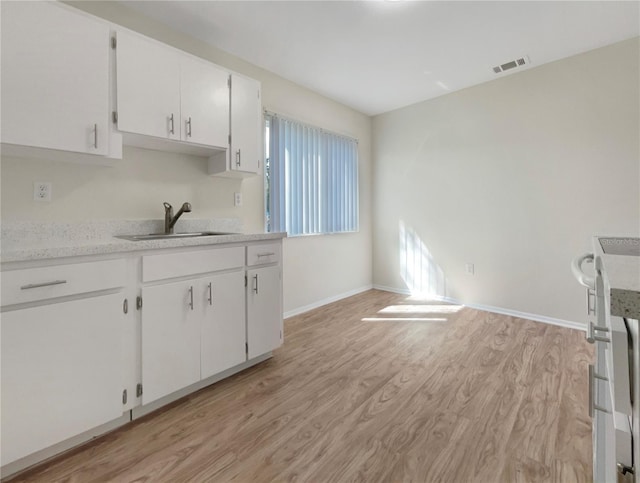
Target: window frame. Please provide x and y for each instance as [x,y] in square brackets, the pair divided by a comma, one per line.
[267,115]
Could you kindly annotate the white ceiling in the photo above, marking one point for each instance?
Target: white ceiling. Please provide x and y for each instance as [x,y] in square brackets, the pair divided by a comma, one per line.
[378,55]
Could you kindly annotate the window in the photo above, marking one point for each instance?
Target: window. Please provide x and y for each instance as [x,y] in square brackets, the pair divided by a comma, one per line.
[311,178]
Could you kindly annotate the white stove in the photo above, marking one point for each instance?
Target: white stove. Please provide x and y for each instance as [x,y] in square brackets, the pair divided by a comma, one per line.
[614,382]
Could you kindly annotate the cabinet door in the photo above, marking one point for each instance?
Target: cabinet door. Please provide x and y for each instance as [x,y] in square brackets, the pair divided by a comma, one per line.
[61,372]
[264,310]
[170,339]
[204,94]
[246,125]
[55,78]
[223,323]
[148,87]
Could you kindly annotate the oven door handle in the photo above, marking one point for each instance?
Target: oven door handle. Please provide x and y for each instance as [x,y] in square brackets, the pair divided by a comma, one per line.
[576,268]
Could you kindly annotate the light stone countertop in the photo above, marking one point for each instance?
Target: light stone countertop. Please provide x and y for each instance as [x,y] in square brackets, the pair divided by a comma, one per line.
[28,241]
[622,277]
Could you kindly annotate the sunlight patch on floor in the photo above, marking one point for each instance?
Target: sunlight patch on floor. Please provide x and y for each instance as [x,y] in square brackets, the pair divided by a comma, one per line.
[404,319]
[421,309]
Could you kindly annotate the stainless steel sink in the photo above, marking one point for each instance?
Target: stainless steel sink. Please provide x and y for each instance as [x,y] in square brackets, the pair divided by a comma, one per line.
[171,236]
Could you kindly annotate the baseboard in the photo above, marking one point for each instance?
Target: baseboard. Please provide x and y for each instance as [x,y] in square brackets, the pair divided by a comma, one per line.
[384,288]
[525,315]
[497,310]
[328,300]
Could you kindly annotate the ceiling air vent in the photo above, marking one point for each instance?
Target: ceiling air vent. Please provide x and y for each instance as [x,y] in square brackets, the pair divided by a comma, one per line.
[512,64]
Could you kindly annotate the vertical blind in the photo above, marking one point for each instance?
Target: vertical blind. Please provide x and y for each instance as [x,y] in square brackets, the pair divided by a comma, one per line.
[312,179]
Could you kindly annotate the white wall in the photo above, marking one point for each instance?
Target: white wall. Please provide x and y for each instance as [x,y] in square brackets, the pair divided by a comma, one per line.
[515,176]
[315,268]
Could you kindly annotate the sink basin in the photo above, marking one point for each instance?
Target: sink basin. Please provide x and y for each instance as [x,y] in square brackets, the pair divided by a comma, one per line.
[171,236]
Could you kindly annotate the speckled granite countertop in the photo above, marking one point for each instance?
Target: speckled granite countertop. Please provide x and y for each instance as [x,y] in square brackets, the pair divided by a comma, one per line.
[622,278]
[26,241]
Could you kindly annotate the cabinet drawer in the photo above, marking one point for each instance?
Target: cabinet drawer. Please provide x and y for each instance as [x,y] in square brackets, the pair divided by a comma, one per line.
[33,284]
[263,254]
[159,267]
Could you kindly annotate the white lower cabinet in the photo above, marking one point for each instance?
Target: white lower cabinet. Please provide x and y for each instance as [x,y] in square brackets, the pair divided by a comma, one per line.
[77,352]
[61,372]
[223,338]
[170,339]
[191,330]
[264,310]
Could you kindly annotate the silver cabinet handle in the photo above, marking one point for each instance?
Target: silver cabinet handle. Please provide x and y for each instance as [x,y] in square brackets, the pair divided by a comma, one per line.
[593,405]
[255,287]
[591,337]
[171,129]
[238,155]
[95,136]
[210,294]
[44,284]
[189,127]
[591,309]
[191,297]
[260,255]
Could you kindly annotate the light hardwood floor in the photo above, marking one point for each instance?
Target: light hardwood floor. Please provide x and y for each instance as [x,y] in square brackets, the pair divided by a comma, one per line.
[360,393]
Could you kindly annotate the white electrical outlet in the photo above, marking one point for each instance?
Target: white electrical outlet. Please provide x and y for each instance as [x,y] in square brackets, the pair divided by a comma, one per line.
[469,268]
[237,199]
[41,191]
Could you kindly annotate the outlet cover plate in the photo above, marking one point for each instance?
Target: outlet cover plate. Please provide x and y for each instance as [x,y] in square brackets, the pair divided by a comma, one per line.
[42,191]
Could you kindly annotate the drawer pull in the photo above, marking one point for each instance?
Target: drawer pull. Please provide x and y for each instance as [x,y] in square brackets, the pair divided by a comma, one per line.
[191,297]
[255,288]
[260,255]
[210,299]
[44,284]
[591,338]
[593,406]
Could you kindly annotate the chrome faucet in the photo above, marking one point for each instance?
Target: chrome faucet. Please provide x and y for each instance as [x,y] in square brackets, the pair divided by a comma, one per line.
[169,219]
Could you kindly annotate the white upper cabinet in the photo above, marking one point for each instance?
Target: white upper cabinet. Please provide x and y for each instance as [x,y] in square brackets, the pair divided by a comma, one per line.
[246,114]
[148,87]
[167,94]
[55,78]
[244,156]
[68,92]
[204,94]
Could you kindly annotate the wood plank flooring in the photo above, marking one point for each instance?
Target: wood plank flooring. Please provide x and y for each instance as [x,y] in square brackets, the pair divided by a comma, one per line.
[375,387]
